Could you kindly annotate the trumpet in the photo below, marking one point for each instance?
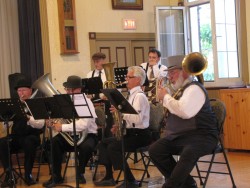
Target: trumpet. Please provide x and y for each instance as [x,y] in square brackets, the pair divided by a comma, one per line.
[121,83]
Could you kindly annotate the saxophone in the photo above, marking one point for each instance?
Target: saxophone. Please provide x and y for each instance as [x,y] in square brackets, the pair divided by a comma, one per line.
[110,83]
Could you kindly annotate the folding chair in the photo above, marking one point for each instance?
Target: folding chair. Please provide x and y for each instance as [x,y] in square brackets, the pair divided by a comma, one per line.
[155,125]
[220,111]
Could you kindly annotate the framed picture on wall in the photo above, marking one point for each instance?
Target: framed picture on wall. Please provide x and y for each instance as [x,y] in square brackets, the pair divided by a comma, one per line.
[127,4]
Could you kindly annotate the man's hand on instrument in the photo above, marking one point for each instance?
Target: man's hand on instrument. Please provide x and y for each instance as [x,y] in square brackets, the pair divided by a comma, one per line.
[112,109]
[57,127]
[161,93]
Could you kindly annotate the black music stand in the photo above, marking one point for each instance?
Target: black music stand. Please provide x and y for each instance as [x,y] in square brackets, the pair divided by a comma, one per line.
[61,106]
[92,85]
[10,110]
[123,106]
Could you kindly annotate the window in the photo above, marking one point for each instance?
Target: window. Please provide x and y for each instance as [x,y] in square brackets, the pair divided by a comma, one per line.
[208,27]
[213,32]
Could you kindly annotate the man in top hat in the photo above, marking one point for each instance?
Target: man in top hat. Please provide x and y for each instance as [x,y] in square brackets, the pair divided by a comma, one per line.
[60,145]
[25,135]
[191,130]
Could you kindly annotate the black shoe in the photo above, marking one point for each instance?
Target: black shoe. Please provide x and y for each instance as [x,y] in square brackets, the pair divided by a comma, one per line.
[29,180]
[52,182]
[105,182]
[190,183]
[81,179]
[130,184]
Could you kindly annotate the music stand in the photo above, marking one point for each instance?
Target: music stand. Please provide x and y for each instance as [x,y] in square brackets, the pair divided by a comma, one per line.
[62,106]
[10,110]
[123,106]
[92,85]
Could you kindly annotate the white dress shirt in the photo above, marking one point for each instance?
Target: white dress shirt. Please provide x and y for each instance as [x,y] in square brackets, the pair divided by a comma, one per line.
[158,72]
[188,105]
[140,103]
[82,124]
[96,74]
[37,124]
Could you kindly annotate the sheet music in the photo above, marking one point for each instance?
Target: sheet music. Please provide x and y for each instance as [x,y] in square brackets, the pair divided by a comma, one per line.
[83,105]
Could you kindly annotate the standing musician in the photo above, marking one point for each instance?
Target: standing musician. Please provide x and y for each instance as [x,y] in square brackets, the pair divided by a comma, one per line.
[98,59]
[137,132]
[153,67]
[60,144]
[191,130]
[25,135]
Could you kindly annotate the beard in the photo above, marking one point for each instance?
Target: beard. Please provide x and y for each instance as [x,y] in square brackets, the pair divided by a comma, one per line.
[178,84]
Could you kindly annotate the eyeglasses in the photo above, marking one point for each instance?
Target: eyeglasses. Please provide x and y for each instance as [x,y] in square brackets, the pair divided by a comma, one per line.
[172,73]
[68,89]
[130,77]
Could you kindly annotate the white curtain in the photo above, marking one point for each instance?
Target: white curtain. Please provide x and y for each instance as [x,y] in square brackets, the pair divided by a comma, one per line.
[9,44]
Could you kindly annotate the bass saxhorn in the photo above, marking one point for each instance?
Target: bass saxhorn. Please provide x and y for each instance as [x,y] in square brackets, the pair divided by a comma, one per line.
[195,64]
[44,85]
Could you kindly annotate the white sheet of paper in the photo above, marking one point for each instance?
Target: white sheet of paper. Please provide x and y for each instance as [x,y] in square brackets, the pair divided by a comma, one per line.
[83,105]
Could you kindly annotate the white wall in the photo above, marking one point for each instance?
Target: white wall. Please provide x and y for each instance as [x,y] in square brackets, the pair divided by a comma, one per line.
[93,16]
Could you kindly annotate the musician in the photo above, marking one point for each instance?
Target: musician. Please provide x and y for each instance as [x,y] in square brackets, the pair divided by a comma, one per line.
[137,132]
[191,129]
[60,145]
[98,59]
[25,136]
[153,67]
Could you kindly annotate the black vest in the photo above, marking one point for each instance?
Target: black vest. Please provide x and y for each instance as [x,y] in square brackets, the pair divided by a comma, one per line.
[204,122]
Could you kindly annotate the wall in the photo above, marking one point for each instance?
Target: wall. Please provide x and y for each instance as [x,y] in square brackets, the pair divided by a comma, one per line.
[91,16]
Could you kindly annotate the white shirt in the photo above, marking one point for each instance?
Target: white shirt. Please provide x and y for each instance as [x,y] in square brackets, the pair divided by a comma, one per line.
[37,124]
[140,103]
[82,124]
[188,105]
[96,74]
[158,72]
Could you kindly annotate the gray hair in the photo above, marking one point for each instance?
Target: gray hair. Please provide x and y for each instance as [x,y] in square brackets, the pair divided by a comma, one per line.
[138,72]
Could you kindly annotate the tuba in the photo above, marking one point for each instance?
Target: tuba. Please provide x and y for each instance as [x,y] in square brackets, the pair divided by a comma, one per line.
[195,64]
[44,85]
[110,83]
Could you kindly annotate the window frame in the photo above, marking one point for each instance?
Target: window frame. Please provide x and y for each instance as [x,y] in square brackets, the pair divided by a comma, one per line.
[217,81]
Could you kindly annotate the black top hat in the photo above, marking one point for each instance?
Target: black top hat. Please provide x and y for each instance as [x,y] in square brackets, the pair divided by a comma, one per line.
[73,82]
[23,83]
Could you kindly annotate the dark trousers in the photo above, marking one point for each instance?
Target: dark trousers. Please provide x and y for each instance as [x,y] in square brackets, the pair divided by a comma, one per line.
[28,144]
[189,147]
[85,149]
[110,150]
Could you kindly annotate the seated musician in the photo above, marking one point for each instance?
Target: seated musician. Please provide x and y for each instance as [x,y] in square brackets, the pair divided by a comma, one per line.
[61,145]
[190,127]
[137,132]
[25,135]
[153,67]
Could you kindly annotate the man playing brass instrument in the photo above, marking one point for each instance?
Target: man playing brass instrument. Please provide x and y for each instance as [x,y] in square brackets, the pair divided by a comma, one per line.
[25,135]
[191,129]
[61,145]
[137,132]
[153,67]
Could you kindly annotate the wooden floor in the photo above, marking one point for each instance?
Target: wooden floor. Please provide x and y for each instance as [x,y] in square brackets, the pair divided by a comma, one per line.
[239,161]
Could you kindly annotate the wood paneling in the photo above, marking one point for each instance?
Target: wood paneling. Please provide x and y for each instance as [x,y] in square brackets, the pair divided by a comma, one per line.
[237,124]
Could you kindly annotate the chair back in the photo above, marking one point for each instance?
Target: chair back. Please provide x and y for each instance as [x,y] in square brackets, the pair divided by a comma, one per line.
[219,109]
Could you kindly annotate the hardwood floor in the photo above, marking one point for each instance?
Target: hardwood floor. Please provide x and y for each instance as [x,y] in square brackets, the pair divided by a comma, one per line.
[239,162]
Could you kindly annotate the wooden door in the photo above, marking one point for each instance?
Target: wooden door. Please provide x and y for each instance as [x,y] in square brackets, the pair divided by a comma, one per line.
[127,49]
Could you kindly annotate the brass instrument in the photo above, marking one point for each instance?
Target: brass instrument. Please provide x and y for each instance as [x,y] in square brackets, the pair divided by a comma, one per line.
[44,85]
[194,64]
[110,83]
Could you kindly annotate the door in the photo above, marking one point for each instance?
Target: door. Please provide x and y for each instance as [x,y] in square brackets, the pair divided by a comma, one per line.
[127,49]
